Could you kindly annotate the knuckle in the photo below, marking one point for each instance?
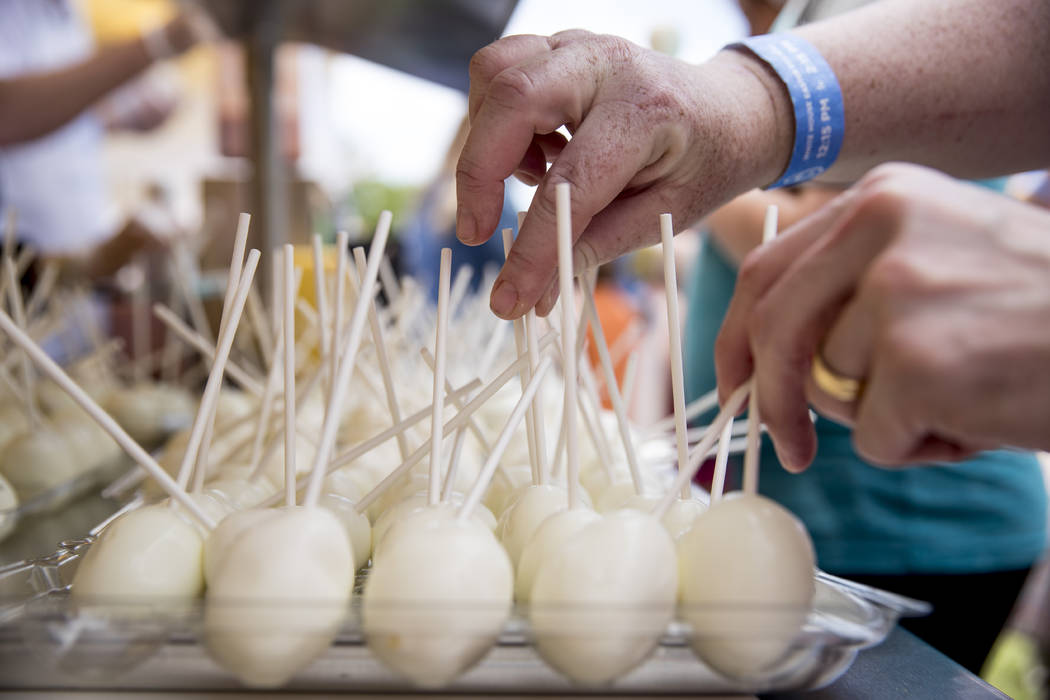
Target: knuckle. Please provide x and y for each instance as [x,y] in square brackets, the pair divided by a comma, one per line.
[512,88]
[750,277]
[484,61]
[468,174]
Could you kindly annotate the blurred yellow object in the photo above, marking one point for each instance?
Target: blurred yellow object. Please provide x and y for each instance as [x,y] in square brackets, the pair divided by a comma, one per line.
[114,20]
[304,260]
[1014,667]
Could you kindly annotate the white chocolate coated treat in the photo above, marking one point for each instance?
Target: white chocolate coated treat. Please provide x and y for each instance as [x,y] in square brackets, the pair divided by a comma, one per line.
[358,529]
[410,507]
[279,596]
[151,411]
[8,505]
[680,517]
[601,602]
[12,424]
[419,515]
[521,519]
[437,599]
[37,462]
[501,492]
[91,444]
[747,571]
[614,496]
[229,530]
[548,538]
[143,563]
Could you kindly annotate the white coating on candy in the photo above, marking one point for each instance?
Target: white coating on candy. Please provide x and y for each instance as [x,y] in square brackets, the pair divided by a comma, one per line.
[520,520]
[278,597]
[680,517]
[145,562]
[601,602]
[747,572]
[545,542]
[437,599]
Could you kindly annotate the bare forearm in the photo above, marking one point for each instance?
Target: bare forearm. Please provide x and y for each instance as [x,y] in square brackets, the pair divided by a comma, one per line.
[957,85]
[35,105]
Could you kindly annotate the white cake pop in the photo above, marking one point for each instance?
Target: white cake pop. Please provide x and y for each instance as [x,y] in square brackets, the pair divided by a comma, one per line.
[414,513]
[146,562]
[279,595]
[680,517]
[358,529]
[38,462]
[520,520]
[149,411]
[502,492]
[548,538]
[747,571]
[437,600]
[8,505]
[13,423]
[601,601]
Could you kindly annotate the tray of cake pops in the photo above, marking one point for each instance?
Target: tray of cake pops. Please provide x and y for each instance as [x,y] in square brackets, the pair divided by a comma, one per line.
[414,498]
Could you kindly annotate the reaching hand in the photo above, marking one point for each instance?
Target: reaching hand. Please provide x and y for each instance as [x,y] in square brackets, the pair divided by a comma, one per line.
[650,134]
[934,293]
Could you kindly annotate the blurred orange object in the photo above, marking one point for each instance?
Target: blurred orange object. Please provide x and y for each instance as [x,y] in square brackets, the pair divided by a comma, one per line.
[621,322]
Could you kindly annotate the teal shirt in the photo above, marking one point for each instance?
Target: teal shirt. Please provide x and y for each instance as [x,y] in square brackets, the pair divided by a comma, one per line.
[985,514]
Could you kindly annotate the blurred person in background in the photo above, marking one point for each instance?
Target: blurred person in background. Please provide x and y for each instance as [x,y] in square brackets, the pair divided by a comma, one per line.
[950,535]
[53,113]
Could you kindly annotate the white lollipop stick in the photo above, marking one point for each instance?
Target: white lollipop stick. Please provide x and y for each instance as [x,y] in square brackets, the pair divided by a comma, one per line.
[288,332]
[390,283]
[471,425]
[718,482]
[187,278]
[342,240]
[460,419]
[240,243]
[260,326]
[539,431]
[694,408]
[754,421]
[262,427]
[568,340]
[199,343]
[363,448]
[440,359]
[489,468]
[613,390]
[134,450]
[495,344]
[387,375]
[630,378]
[674,327]
[42,289]
[333,412]
[214,383]
[521,349]
[14,295]
[321,294]
[699,453]
[459,289]
[140,330]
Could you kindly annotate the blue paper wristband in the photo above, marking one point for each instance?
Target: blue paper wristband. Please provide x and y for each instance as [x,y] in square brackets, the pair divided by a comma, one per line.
[820,120]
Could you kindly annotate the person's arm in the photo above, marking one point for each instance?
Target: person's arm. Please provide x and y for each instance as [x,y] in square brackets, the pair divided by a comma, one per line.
[35,105]
[948,84]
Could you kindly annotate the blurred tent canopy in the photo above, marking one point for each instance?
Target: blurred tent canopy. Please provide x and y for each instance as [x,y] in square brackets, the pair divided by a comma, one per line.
[433,39]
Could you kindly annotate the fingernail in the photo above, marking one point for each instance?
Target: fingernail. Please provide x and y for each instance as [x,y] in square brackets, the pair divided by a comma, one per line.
[504,299]
[466,226]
